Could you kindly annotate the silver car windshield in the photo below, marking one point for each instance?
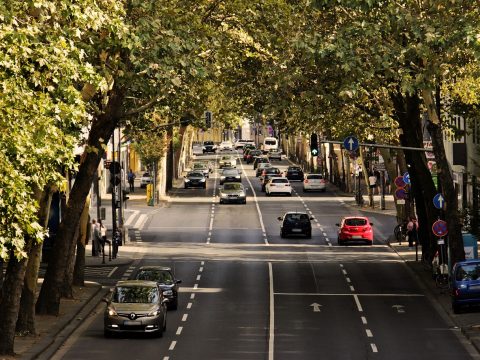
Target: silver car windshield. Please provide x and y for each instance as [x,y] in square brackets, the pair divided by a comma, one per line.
[160,276]
[135,295]
[232,186]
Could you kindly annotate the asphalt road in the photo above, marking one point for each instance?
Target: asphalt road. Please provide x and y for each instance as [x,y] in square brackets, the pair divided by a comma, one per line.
[248,294]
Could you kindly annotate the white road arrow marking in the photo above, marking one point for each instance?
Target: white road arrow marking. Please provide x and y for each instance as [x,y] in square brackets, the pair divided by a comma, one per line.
[316,307]
[350,142]
[400,308]
[440,201]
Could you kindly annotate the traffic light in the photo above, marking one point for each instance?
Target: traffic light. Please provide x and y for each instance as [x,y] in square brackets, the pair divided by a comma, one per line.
[115,173]
[208,119]
[314,144]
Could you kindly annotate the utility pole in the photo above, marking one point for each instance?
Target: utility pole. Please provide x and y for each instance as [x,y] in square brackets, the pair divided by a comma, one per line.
[112,173]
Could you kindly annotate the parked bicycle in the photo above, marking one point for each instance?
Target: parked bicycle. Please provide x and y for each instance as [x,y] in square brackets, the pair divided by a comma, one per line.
[442,277]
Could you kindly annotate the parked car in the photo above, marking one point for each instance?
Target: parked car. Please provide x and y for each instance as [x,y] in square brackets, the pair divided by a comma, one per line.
[145,180]
[209,147]
[135,306]
[261,167]
[203,167]
[465,284]
[278,185]
[165,278]
[274,155]
[231,175]
[294,173]
[195,179]
[252,155]
[355,228]
[259,160]
[227,161]
[314,182]
[225,146]
[296,223]
[232,192]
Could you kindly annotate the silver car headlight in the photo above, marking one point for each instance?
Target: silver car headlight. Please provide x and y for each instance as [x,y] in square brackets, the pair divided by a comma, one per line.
[187,180]
[167,292]
[112,312]
[242,194]
[202,180]
[154,313]
[237,177]
[223,195]
[222,177]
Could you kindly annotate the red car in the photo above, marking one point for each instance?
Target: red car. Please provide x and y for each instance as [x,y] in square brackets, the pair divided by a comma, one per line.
[355,228]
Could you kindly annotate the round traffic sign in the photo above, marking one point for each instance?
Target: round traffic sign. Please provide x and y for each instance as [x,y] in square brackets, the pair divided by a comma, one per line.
[400,194]
[399,182]
[438,201]
[350,143]
[440,228]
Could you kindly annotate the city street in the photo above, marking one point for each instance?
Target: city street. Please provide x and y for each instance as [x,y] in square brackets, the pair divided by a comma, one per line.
[247,293]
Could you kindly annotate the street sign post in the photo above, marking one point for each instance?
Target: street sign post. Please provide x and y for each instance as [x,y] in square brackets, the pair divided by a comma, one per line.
[439,201]
[350,143]
[439,228]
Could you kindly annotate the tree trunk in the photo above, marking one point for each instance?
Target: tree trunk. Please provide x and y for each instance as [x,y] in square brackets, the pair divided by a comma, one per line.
[452,216]
[66,290]
[102,128]
[9,302]
[407,111]
[26,316]
[79,270]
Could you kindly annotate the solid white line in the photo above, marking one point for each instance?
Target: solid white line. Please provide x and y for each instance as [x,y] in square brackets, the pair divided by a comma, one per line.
[172,345]
[179,330]
[166,358]
[189,305]
[364,320]
[260,217]
[131,217]
[345,294]
[184,318]
[140,222]
[199,277]
[111,272]
[357,301]
[374,348]
[369,333]
[211,225]
[192,296]
[271,336]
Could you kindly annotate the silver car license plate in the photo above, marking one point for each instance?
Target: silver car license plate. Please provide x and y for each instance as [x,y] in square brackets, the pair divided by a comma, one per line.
[296,230]
[132,323]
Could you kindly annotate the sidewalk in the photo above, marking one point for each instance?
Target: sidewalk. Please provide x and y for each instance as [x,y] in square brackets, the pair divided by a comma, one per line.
[469,321]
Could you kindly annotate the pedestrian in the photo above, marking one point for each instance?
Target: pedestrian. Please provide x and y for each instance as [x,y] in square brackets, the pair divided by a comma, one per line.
[96,239]
[412,231]
[378,179]
[131,179]
[103,234]
[388,183]
[372,181]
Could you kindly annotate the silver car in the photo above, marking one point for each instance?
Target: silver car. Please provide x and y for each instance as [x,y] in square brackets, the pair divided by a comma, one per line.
[135,306]
[203,167]
[233,192]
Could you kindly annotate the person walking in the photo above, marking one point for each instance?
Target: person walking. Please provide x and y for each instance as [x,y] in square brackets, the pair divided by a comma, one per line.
[372,181]
[96,239]
[131,179]
[412,231]
[103,234]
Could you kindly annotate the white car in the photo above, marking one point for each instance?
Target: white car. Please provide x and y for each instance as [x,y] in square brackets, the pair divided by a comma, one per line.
[145,180]
[314,182]
[227,161]
[225,146]
[239,144]
[278,185]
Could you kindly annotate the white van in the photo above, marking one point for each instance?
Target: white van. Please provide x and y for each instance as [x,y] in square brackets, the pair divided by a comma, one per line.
[269,143]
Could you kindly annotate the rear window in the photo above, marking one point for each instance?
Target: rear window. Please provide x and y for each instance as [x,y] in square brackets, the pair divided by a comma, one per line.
[272,171]
[294,169]
[355,222]
[280,181]
[297,217]
[315,177]
[230,172]
[270,142]
[468,272]
[208,143]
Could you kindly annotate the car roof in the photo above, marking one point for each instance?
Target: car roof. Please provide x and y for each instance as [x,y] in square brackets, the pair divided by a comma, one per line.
[145,283]
[278,177]
[355,217]
[153,267]
[295,212]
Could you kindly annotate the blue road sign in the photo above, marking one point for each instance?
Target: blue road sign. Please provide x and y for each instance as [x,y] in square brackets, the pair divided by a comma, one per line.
[350,143]
[439,201]
[440,228]
[401,193]
[406,178]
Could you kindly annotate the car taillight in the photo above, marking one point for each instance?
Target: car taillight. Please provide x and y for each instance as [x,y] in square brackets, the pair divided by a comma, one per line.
[457,292]
[305,181]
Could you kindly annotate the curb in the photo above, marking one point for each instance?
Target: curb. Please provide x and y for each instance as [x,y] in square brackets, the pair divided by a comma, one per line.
[49,344]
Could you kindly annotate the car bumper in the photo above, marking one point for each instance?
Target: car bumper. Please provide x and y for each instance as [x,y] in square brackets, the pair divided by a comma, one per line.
[122,325]
[233,199]
[314,187]
[355,237]
[280,191]
[190,184]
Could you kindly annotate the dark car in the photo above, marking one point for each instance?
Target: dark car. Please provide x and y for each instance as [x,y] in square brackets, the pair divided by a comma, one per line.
[208,147]
[195,179]
[267,173]
[165,278]
[465,284]
[248,147]
[230,175]
[296,223]
[135,306]
[259,160]
[295,173]
[252,155]
[245,154]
